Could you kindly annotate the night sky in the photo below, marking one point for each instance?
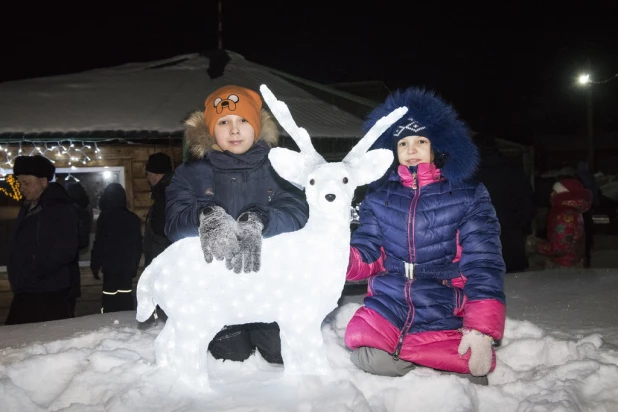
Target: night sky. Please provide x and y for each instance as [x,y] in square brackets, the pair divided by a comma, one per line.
[508,67]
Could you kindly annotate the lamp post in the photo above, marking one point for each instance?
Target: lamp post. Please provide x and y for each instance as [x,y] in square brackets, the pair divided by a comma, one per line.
[585,81]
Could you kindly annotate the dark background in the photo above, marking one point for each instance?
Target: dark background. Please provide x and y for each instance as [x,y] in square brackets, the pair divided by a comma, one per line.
[508,67]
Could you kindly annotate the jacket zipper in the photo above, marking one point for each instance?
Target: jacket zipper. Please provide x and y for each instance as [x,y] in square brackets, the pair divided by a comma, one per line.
[409,319]
[409,270]
[412,250]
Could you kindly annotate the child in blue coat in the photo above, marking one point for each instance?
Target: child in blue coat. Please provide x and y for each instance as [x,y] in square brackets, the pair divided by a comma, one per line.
[429,242]
[232,198]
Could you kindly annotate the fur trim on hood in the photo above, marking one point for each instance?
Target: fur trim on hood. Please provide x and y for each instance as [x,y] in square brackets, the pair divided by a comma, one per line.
[200,141]
[428,115]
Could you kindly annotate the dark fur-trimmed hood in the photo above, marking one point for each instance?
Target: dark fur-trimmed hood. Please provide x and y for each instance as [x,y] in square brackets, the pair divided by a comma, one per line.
[428,115]
[200,141]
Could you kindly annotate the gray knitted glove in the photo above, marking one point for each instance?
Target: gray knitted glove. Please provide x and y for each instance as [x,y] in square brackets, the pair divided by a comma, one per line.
[218,234]
[481,354]
[250,238]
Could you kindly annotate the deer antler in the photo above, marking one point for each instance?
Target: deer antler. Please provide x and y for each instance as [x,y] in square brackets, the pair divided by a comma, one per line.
[282,113]
[372,135]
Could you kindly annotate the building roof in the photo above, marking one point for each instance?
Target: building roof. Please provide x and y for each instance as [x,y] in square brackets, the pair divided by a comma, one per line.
[154,98]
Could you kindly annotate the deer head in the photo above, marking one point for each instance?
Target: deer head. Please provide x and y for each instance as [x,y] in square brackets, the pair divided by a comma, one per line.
[329,187]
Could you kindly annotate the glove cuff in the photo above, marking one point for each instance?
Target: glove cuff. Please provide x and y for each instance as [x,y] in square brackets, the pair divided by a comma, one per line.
[207,210]
[465,331]
[253,217]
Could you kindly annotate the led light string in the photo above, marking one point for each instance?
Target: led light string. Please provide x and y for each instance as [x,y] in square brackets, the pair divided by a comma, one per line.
[69,150]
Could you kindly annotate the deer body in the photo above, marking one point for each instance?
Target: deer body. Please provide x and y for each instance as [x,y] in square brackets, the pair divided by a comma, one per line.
[301,276]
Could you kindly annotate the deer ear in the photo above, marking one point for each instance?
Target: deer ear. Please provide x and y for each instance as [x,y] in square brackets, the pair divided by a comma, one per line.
[290,165]
[371,166]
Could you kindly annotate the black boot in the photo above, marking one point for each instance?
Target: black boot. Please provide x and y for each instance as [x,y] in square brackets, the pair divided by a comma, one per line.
[232,343]
[265,337]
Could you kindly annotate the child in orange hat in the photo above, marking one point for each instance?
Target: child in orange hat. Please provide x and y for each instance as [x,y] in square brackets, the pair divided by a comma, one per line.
[231,197]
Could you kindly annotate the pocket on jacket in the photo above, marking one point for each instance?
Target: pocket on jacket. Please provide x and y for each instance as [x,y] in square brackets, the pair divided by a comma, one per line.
[459,298]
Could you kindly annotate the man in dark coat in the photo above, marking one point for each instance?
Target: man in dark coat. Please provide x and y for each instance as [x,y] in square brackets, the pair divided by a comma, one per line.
[512,197]
[159,174]
[80,200]
[44,250]
[117,249]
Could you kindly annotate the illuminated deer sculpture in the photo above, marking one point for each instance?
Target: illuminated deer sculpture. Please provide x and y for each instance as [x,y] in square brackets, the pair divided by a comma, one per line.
[302,273]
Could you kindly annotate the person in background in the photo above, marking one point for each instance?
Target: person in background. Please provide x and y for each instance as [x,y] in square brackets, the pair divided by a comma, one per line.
[429,242]
[117,250]
[80,202]
[565,246]
[159,174]
[587,178]
[232,197]
[513,198]
[43,257]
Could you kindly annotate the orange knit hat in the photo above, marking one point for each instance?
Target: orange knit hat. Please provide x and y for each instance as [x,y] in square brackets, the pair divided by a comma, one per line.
[233,100]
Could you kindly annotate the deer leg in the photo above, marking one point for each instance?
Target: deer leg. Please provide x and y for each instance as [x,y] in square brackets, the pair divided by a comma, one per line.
[186,353]
[164,345]
[316,351]
[302,349]
[191,355]
[204,338]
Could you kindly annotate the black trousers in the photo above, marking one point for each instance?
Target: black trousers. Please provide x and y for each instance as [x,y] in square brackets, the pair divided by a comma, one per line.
[38,307]
[238,342]
[72,303]
[118,302]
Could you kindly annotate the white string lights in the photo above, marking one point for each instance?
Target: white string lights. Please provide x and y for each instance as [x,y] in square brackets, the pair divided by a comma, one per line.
[70,176]
[71,151]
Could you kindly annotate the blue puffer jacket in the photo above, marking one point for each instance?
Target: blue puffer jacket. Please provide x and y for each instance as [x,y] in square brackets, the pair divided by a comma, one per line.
[237,183]
[451,231]
[440,270]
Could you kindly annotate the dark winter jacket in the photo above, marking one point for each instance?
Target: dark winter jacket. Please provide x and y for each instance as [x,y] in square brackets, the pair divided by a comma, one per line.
[155,240]
[117,246]
[80,200]
[44,250]
[237,183]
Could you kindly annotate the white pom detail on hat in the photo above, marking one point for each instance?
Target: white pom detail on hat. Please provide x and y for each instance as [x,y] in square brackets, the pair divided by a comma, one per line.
[559,188]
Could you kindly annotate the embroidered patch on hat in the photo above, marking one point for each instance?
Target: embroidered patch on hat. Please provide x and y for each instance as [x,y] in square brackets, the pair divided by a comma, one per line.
[229,103]
[412,126]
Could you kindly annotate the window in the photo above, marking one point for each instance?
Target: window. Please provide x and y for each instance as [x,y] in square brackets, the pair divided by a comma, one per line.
[93,180]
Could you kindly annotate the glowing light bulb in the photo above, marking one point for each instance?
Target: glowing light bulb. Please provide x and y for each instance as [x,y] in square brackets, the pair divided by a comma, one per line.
[583,79]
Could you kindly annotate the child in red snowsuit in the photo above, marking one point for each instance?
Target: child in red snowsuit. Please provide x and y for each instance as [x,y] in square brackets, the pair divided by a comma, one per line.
[565,244]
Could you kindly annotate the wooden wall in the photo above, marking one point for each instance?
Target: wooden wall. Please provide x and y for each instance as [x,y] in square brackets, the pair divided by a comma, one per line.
[133,158]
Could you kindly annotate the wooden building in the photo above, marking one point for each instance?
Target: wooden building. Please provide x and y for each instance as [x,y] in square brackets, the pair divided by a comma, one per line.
[100,126]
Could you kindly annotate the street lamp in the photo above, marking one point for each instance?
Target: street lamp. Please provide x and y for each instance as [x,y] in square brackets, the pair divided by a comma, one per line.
[584,80]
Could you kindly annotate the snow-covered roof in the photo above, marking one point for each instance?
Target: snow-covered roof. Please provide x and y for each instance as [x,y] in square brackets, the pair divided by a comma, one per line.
[152,97]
